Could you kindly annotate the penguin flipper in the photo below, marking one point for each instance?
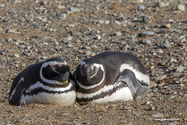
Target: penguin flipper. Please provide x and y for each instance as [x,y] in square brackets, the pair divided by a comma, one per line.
[134,85]
[15,96]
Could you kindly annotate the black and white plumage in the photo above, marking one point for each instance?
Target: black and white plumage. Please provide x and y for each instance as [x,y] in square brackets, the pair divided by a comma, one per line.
[110,76]
[46,82]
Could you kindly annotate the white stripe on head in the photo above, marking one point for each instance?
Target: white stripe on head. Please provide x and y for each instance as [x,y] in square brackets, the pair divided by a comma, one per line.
[139,75]
[95,85]
[45,64]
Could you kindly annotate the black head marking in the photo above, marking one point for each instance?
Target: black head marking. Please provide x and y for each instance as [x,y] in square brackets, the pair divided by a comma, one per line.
[56,69]
[89,72]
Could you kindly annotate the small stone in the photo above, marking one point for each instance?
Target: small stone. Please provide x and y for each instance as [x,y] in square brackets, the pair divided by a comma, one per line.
[98,37]
[126,107]
[16,55]
[146,19]
[177,74]
[152,108]
[107,22]
[165,26]
[69,45]
[88,53]
[160,77]
[117,33]
[146,41]
[62,16]
[180,69]
[147,33]
[141,7]
[166,45]
[101,21]
[183,40]
[73,9]
[161,84]
[153,84]
[181,7]
[171,124]
[161,4]
[157,115]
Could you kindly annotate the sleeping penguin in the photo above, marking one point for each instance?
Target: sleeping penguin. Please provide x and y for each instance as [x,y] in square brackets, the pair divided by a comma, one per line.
[48,82]
[110,76]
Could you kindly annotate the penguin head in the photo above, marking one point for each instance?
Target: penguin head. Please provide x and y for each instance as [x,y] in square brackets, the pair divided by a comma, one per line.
[55,69]
[90,72]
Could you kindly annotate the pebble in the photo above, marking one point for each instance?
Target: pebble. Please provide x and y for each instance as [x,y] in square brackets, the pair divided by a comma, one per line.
[147,33]
[62,16]
[166,45]
[146,19]
[171,123]
[118,33]
[107,22]
[73,9]
[161,84]
[165,26]
[141,7]
[177,74]
[153,84]
[157,115]
[180,69]
[126,107]
[181,7]
[98,37]
[161,4]
[160,77]
[88,53]
[152,108]
[183,40]
[146,41]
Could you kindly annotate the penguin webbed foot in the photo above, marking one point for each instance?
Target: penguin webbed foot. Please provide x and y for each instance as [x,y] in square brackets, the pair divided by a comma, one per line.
[128,77]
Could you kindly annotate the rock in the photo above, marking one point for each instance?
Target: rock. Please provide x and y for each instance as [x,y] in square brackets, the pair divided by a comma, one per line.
[153,84]
[161,4]
[157,115]
[73,9]
[62,16]
[141,7]
[180,69]
[152,108]
[166,45]
[98,37]
[126,107]
[181,7]
[101,21]
[176,74]
[117,33]
[160,77]
[147,33]
[161,84]
[171,123]
[146,19]
[146,41]
[165,26]
[88,53]
[107,22]
[183,40]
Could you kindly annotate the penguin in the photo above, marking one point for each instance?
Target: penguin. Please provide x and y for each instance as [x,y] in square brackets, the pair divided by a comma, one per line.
[109,77]
[49,82]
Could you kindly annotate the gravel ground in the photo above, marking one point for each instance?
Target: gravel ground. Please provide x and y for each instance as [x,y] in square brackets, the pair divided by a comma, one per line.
[32,31]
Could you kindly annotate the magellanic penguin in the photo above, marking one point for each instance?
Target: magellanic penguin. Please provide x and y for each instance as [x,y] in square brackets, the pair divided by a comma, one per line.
[46,82]
[110,76]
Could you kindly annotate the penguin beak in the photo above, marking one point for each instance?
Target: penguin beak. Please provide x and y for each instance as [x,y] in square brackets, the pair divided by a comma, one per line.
[88,71]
